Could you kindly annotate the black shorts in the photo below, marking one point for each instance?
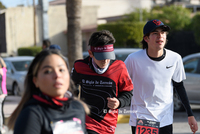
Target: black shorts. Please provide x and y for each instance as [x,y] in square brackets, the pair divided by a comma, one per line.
[163,130]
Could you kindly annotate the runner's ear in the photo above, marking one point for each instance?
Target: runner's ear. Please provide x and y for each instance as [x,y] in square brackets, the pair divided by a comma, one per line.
[90,53]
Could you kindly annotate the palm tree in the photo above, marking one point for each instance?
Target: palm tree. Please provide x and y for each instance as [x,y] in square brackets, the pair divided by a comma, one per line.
[74,33]
[2,6]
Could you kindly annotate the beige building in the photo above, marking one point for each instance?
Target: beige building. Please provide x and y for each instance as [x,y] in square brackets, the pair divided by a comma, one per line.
[19,25]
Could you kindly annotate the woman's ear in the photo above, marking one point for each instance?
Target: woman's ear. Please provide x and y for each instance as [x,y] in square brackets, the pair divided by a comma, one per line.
[35,82]
[90,53]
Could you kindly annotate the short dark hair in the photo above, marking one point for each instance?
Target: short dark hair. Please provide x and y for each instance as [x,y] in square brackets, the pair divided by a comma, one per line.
[101,38]
[144,43]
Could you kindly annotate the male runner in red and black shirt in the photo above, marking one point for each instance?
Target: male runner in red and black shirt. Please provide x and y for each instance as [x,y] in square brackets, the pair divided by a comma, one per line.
[105,83]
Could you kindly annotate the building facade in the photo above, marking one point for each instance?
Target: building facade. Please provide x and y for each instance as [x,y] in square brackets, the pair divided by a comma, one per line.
[19,26]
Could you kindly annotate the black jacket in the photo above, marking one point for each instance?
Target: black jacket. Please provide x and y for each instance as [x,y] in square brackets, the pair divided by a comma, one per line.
[40,117]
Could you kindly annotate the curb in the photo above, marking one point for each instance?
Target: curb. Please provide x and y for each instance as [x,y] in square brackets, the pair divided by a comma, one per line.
[123,118]
[6,120]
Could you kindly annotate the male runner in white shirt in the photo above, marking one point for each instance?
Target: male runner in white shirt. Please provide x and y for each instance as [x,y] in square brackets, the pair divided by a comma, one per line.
[155,71]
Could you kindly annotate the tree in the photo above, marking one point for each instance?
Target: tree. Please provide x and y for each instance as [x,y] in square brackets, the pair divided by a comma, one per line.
[135,16]
[195,27]
[177,17]
[74,33]
[2,6]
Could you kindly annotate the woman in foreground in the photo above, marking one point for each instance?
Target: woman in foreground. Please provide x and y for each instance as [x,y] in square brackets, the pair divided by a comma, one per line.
[47,105]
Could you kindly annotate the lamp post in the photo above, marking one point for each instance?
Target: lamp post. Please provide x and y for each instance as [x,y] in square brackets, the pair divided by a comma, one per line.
[141,17]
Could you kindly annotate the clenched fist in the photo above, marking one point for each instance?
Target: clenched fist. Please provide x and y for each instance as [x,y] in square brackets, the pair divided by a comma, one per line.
[113,103]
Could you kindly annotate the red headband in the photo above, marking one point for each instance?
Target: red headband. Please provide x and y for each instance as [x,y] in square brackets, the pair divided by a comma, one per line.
[106,48]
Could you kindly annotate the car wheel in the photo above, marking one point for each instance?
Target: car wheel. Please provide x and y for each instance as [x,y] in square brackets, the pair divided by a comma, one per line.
[178,106]
[16,89]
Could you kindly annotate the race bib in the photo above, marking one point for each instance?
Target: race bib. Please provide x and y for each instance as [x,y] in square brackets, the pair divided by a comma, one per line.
[67,127]
[147,127]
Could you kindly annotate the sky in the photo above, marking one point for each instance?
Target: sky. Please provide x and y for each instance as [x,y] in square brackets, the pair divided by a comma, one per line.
[14,3]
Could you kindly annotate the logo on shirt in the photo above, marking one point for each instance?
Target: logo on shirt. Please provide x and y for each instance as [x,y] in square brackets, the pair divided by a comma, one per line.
[167,67]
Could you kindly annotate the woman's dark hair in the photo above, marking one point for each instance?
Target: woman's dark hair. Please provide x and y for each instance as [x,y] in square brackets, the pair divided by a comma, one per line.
[46,43]
[101,38]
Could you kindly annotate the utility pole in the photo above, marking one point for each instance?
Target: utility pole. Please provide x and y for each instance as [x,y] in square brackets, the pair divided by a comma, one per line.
[44,4]
[141,12]
[34,23]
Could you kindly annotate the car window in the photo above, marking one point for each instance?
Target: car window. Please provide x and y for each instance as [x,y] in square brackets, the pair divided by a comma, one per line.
[121,56]
[21,65]
[8,67]
[191,65]
[118,56]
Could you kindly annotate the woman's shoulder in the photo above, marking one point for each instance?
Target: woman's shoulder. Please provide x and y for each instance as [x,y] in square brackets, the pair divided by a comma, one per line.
[31,107]
[79,104]
[76,103]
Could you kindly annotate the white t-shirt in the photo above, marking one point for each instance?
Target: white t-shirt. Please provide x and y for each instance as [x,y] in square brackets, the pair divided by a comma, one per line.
[153,90]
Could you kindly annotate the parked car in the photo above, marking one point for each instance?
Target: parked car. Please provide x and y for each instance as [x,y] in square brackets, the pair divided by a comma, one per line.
[120,53]
[192,83]
[16,72]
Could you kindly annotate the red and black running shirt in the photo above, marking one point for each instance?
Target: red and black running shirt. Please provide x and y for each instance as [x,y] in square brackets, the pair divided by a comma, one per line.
[96,88]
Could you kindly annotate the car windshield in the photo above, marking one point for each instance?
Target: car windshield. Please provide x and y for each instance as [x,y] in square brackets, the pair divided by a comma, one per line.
[21,65]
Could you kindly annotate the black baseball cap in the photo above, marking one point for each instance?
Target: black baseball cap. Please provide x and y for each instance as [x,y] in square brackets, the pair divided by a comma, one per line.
[151,25]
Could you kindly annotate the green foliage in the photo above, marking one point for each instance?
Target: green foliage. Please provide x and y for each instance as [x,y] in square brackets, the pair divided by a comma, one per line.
[196,28]
[177,17]
[135,16]
[127,34]
[29,51]
[2,6]
[129,31]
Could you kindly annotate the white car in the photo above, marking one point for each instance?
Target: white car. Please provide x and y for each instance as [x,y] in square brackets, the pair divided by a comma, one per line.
[16,72]
[120,53]
[192,83]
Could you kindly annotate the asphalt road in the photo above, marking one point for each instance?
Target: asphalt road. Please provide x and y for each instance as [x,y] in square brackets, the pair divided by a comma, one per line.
[180,125]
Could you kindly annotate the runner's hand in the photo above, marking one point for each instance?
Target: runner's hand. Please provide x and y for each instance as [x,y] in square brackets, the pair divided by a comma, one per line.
[193,124]
[113,103]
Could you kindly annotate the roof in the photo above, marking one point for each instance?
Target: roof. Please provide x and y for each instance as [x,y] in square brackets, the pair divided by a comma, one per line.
[191,56]
[57,2]
[18,58]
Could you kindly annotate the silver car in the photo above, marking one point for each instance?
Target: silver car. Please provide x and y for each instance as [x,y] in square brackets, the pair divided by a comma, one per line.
[192,82]
[16,72]
[120,53]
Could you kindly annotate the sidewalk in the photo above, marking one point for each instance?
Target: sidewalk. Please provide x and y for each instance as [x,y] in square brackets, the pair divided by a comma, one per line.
[9,106]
